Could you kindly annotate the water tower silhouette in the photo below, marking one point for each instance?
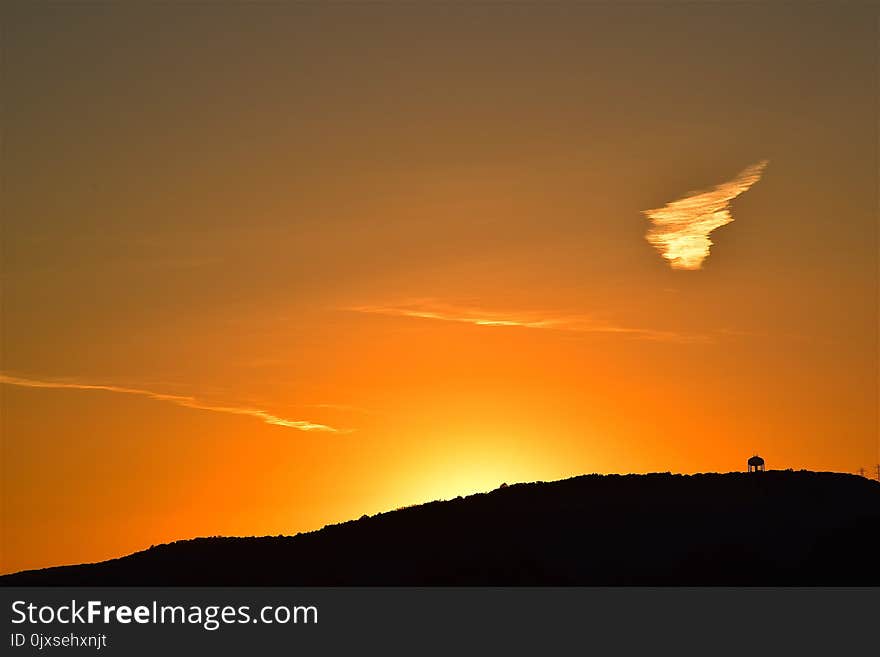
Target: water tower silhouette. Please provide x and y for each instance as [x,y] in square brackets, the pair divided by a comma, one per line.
[756,464]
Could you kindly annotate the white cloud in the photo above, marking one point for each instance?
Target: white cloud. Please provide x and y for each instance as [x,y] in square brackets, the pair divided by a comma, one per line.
[681,228]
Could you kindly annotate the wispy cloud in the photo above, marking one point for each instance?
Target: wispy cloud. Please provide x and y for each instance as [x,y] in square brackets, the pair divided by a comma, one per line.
[681,228]
[178,400]
[434,310]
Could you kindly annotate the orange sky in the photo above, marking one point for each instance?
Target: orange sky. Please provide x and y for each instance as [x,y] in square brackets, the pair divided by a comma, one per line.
[267,267]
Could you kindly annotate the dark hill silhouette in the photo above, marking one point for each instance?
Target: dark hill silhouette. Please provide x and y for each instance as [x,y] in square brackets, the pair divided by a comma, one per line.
[773,528]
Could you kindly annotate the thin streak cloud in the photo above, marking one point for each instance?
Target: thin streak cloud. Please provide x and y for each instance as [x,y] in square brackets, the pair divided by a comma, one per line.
[681,228]
[478,317]
[178,400]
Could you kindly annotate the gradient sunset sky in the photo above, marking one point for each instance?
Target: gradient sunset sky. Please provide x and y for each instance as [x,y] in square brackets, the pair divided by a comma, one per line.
[271,266]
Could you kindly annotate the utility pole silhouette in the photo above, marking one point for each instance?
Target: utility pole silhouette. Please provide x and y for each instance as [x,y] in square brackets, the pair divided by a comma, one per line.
[861,472]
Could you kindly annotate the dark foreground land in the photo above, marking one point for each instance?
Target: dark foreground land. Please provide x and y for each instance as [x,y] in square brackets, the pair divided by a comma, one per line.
[775,528]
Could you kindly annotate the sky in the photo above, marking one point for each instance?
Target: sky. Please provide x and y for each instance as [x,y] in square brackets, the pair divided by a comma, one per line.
[271,266]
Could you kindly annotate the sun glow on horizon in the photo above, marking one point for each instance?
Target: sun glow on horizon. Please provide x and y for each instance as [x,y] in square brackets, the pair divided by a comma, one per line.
[477,464]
